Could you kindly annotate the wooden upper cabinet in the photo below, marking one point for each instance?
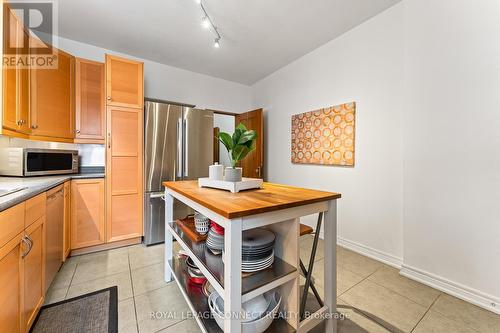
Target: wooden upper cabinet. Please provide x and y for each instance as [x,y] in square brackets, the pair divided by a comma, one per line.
[90,113]
[124,82]
[11,280]
[15,79]
[87,212]
[52,100]
[34,275]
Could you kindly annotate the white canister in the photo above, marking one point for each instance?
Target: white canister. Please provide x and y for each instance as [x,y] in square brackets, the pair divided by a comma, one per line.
[216,172]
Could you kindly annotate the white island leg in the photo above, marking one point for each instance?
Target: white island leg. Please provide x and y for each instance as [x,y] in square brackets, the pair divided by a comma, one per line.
[232,276]
[169,250]
[330,275]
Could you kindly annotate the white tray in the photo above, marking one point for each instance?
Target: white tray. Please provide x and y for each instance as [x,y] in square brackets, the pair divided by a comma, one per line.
[234,187]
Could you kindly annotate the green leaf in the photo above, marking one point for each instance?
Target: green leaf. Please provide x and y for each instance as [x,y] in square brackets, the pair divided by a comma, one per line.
[247,136]
[226,140]
[239,153]
[242,127]
[236,136]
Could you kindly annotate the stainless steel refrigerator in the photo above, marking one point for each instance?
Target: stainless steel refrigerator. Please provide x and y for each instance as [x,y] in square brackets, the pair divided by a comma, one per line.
[178,145]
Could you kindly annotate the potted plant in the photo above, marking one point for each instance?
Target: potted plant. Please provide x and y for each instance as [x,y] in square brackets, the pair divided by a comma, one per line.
[238,146]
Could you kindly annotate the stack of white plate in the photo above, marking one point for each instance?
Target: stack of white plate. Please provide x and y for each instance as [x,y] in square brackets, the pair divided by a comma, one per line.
[215,242]
[257,250]
[201,223]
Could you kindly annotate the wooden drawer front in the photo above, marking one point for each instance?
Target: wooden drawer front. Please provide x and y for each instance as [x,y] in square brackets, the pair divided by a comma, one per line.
[11,223]
[35,208]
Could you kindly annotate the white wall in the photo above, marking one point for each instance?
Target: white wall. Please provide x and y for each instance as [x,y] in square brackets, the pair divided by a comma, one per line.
[364,65]
[425,189]
[175,84]
[225,124]
[452,143]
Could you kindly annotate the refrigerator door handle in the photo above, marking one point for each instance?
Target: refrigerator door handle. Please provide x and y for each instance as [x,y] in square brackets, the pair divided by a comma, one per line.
[186,146]
[160,195]
[179,148]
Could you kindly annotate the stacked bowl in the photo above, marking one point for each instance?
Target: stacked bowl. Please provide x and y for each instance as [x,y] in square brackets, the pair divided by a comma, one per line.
[215,238]
[258,314]
[201,223]
[257,250]
[195,275]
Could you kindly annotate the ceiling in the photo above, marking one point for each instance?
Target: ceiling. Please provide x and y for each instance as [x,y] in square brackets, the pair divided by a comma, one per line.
[258,36]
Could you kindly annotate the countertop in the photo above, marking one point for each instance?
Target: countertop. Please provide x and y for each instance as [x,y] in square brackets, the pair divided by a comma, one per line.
[270,197]
[35,185]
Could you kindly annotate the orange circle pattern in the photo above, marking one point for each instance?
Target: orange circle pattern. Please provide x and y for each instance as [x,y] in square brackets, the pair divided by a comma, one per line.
[324,136]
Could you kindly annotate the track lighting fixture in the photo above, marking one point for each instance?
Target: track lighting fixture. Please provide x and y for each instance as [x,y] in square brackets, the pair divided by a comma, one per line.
[206,22]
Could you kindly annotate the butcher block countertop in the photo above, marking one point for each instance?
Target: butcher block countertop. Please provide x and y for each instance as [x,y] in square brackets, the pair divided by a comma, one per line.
[270,197]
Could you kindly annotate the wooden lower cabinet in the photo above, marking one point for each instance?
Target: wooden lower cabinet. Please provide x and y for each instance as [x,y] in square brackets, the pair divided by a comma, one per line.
[34,274]
[11,280]
[87,213]
[67,221]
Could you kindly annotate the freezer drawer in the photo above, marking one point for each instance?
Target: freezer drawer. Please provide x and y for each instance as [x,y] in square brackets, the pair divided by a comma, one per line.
[154,216]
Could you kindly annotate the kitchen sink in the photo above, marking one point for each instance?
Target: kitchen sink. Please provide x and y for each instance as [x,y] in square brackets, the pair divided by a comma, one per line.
[4,192]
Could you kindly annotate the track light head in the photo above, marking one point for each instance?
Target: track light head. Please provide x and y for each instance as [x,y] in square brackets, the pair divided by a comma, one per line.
[205,23]
[217,43]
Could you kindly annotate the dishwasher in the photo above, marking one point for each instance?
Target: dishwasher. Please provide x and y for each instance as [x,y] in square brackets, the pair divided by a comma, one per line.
[54,233]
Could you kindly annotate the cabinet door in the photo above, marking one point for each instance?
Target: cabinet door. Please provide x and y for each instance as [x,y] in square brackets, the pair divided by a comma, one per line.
[67,221]
[15,78]
[52,104]
[89,101]
[11,280]
[34,275]
[87,212]
[124,183]
[10,111]
[124,82]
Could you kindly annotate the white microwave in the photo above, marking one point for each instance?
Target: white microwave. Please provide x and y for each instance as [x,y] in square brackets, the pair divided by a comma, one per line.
[25,162]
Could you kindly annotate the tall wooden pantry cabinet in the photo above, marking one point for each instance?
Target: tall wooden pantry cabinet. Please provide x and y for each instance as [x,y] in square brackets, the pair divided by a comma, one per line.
[124,148]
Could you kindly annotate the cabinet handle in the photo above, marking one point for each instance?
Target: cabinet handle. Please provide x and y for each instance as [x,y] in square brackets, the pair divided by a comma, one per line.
[26,240]
[109,98]
[109,140]
[78,131]
[19,122]
[34,126]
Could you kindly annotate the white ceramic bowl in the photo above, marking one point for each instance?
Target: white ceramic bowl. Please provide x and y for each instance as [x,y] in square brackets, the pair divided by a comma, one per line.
[256,326]
[255,308]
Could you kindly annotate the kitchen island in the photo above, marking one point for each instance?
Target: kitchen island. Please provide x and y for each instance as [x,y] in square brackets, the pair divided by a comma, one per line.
[274,207]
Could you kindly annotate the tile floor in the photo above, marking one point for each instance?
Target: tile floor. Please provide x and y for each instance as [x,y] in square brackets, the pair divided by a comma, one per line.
[363,283]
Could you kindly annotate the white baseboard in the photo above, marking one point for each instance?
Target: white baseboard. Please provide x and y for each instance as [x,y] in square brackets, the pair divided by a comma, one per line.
[465,293]
[386,258]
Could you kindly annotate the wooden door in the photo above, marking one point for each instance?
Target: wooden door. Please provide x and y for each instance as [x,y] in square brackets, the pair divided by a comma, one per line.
[124,82]
[11,280]
[124,182]
[67,221]
[34,272]
[90,121]
[87,212]
[52,100]
[253,164]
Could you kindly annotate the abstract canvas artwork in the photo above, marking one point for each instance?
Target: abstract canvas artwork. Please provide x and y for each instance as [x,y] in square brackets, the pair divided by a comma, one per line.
[325,136]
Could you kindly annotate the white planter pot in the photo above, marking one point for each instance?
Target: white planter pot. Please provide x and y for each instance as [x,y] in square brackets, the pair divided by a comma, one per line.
[233,175]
